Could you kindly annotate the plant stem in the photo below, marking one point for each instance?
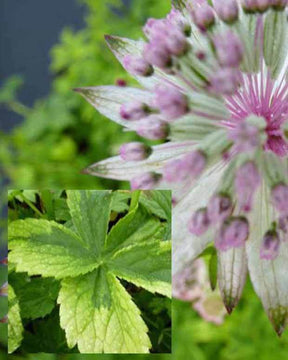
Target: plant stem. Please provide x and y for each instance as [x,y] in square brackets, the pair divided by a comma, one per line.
[134,199]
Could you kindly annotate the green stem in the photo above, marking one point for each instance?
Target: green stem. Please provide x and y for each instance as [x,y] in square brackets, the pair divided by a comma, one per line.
[134,199]
[32,206]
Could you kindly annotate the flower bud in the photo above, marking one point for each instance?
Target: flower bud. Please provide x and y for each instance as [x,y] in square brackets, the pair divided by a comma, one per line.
[134,110]
[155,27]
[233,233]
[219,208]
[269,249]
[280,198]
[283,223]
[229,49]
[146,181]
[249,6]
[203,16]
[263,5]
[157,54]
[188,167]
[247,180]
[171,102]
[226,10]
[199,223]
[135,151]
[175,18]
[279,4]
[225,81]
[137,66]
[176,42]
[152,128]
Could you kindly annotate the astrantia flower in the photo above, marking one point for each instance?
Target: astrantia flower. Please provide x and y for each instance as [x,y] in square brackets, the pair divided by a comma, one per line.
[214,87]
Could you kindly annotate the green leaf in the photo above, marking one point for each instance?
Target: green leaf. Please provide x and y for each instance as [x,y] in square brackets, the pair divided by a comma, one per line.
[157,203]
[111,324]
[36,296]
[47,248]
[135,227]
[85,208]
[95,302]
[15,327]
[146,264]
[120,201]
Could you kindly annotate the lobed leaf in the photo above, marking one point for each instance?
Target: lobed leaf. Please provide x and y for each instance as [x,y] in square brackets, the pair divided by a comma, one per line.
[111,325]
[90,212]
[146,264]
[49,249]
[137,226]
[15,328]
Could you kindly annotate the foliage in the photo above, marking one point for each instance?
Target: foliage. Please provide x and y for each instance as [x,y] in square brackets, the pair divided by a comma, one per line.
[66,132]
[81,260]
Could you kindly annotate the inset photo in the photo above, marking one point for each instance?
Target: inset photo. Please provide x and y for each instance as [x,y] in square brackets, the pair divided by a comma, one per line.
[89,271]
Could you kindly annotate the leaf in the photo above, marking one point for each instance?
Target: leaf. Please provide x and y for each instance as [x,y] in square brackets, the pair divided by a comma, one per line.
[36,296]
[146,264]
[232,273]
[47,336]
[137,226]
[179,4]
[90,211]
[47,248]
[157,203]
[111,325]
[120,201]
[15,327]
[95,302]
[269,277]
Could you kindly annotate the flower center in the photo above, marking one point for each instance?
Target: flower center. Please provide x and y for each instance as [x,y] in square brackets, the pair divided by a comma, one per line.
[262,96]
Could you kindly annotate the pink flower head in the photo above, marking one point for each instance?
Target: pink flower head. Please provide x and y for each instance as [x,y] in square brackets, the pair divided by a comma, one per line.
[153,128]
[229,49]
[220,208]
[146,181]
[246,137]
[247,180]
[225,81]
[233,234]
[156,53]
[135,110]
[226,10]
[137,66]
[171,102]
[270,245]
[203,16]
[280,198]
[199,223]
[135,151]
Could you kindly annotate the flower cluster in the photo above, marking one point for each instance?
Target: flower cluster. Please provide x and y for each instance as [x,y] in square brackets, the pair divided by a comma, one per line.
[216,92]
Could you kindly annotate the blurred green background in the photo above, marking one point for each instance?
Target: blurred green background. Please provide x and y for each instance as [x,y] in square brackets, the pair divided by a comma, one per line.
[62,134]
